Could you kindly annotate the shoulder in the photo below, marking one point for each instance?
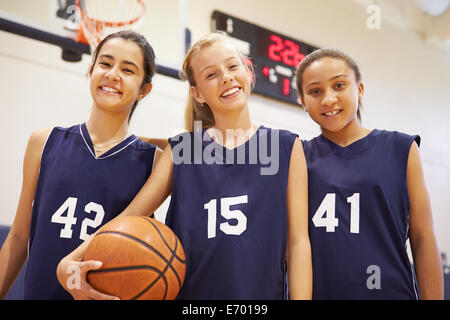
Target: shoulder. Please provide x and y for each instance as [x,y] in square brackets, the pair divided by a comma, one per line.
[36,144]
[297,149]
[309,146]
[184,135]
[310,142]
[185,139]
[39,137]
[75,129]
[142,145]
[285,137]
[281,132]
[396,138]
[51,135]
[144,150]
[398,145]
[159,142]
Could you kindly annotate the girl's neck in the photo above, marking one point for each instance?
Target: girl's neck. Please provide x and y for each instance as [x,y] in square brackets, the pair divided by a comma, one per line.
[232,130]
[232,123]
[104,127]
[347,135]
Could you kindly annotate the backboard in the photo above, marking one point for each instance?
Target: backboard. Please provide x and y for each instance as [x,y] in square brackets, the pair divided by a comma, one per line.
[52,21]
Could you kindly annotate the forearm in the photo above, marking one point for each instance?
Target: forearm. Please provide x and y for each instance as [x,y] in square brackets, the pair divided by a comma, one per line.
[428,268]
[12,258]
[300,270]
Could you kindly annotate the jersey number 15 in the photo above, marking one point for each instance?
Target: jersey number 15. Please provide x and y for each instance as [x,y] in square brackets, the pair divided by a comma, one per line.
[227,213]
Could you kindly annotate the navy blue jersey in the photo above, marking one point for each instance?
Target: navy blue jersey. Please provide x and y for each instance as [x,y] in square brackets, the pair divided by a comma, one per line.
[231,214]
[358,217]
[77,193]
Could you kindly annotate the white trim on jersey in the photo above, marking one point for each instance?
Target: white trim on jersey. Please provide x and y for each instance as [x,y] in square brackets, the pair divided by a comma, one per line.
[100,157]
[85,142]
[154,158]
[411,267]
[38,175]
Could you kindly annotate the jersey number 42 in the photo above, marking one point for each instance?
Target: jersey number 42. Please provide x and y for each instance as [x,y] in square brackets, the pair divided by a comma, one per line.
[69,220]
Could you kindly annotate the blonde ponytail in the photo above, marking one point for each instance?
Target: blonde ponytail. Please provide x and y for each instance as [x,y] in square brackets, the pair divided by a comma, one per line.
[189,115]
[195,111]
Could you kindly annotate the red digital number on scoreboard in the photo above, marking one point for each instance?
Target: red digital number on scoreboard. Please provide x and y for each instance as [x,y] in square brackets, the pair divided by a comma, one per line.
[285,51]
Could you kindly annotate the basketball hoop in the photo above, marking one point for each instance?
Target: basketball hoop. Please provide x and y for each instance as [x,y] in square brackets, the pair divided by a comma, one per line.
[96,15]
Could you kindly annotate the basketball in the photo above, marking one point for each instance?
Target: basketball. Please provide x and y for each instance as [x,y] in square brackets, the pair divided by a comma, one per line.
[142,260]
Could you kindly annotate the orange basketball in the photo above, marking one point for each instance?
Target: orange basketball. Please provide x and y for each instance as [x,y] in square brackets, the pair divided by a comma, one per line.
[142,259]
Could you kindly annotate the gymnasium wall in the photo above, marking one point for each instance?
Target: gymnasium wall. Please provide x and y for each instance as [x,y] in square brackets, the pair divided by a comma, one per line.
[407,85]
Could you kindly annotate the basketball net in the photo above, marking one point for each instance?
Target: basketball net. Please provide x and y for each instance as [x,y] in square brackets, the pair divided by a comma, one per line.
[102,17]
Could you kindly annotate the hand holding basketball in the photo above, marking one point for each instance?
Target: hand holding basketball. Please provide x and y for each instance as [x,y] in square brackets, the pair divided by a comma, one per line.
[73,277]
[142,259]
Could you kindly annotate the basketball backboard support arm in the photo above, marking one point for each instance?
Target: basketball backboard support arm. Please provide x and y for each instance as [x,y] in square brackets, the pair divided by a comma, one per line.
[71,49]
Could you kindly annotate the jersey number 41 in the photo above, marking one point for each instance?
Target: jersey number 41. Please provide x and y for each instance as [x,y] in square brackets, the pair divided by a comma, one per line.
[325,216]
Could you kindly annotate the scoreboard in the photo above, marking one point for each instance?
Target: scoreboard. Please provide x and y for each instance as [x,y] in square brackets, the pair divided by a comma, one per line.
[274,56]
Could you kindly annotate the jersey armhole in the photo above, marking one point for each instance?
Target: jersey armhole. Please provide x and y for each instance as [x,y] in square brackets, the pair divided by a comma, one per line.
[293,137]
[44,148]
[417,139]
[154,159]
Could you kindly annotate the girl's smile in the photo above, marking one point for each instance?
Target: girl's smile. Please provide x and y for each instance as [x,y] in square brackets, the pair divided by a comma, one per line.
[332,114]
[231,93]
[222,80]
[109,90]
[331,96]
[117,76]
